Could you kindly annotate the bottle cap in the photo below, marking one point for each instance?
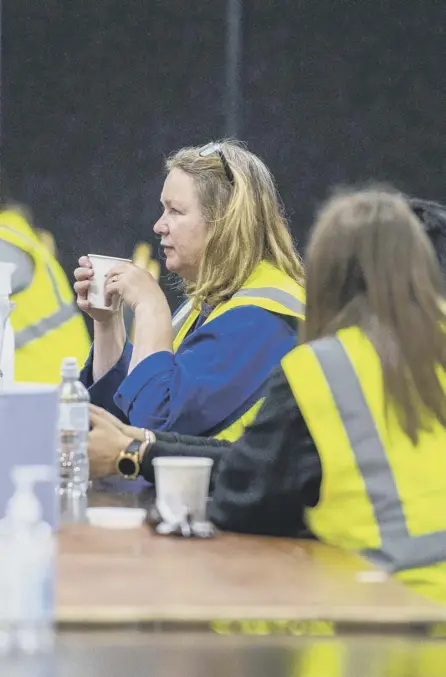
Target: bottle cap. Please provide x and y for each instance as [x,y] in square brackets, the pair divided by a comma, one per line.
[6,272]
[70,368]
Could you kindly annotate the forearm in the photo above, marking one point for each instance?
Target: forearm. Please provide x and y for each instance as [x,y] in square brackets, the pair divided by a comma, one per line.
[153,333]
[109,341]
[154,444]
[191,441]
[172,444]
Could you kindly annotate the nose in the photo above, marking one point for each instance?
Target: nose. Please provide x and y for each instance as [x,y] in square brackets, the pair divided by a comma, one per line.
[161,227]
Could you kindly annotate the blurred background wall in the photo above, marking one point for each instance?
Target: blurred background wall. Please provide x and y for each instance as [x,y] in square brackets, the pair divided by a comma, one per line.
[96,93]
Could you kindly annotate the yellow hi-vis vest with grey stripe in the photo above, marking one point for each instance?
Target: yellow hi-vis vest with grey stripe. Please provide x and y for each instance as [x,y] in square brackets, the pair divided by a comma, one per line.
[380,495]
[267,287]
[47,325]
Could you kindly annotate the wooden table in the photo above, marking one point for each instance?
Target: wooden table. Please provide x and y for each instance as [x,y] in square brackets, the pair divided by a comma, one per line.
[240,607]
[230,585]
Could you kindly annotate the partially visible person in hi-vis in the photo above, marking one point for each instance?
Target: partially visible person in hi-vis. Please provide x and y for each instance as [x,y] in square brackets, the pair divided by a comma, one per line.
[350,441]
[46,323]
[433,219]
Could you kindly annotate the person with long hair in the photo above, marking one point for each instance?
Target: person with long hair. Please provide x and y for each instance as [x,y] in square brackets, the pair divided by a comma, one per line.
[224,234]
[351,439]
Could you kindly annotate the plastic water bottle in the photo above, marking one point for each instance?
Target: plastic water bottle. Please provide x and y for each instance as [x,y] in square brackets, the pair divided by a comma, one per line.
[27,559]
[73,435]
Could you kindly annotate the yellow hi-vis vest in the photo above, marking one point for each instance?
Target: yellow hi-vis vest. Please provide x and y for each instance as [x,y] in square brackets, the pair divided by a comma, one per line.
[381,495]
[47,325]
[267,287]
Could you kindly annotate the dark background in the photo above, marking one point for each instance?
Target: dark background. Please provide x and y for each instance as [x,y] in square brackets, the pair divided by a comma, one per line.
[97,92]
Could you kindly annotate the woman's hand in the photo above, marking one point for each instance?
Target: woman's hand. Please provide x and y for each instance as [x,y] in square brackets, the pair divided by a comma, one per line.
[107,438]
[83,276]
[136,287]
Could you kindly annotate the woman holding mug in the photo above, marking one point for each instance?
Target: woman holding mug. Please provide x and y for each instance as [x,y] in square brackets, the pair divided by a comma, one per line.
[224,235]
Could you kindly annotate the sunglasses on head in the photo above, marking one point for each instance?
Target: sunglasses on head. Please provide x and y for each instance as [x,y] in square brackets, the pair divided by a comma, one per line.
[210,149]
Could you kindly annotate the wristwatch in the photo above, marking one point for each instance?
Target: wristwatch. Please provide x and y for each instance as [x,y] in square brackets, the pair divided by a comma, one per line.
[127,463]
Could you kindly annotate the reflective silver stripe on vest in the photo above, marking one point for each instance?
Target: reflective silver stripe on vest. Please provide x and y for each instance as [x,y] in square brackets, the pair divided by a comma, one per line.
[399,549]
[180,318]
[55,286]
[47,324]
[64,313]
[287,300]
[272,294]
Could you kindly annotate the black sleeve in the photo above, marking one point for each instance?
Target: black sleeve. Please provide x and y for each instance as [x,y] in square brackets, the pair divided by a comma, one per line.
[174,444]
[262,482]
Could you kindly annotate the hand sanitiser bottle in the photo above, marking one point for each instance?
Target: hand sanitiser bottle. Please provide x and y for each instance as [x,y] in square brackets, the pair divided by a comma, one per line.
[27,562]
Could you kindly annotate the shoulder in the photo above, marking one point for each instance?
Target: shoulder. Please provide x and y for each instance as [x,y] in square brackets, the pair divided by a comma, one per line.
[244,331]
[252,318]
[278,388]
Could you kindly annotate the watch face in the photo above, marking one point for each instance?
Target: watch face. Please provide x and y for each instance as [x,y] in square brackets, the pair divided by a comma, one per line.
[127,466]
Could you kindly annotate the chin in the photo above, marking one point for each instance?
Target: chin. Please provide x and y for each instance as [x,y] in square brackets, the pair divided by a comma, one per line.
[171,265]
[174,267]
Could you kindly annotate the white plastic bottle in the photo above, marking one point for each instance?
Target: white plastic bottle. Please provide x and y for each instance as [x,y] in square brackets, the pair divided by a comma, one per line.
[7,341]
[28,565]
[73,434]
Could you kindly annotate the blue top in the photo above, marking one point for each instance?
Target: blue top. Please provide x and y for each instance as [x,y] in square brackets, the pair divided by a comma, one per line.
[216,375]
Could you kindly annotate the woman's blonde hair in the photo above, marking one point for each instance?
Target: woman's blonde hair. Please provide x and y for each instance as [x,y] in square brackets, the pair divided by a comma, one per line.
[245,219]
[369,264]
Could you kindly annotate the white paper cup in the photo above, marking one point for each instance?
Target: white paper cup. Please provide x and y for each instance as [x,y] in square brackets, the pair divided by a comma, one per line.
[116,518]
[182,486]
[101,266]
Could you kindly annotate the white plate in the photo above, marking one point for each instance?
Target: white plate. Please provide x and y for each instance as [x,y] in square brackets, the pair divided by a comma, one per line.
[116,518]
